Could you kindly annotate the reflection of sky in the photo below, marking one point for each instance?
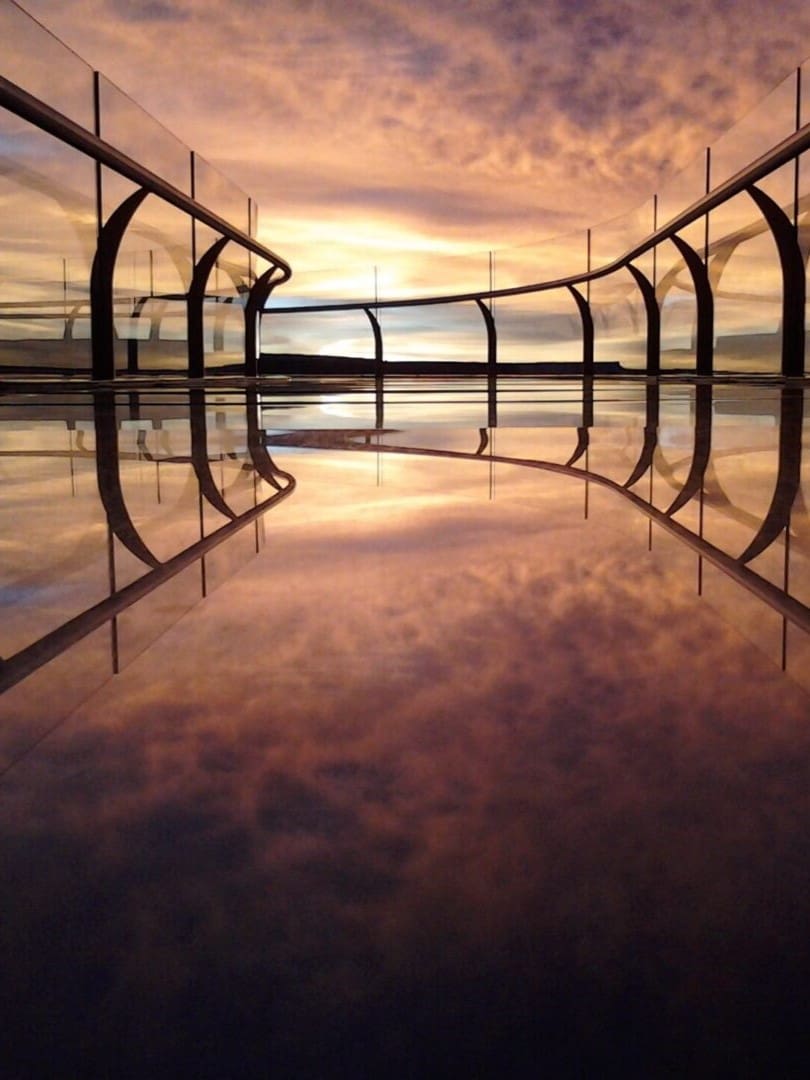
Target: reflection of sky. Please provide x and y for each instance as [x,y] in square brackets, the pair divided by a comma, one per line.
[439,784]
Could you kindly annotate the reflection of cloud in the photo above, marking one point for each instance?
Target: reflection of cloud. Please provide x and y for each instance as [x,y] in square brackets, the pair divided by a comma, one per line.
[452,771]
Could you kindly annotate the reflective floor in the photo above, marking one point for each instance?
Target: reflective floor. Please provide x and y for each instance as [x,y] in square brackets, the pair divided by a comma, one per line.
[458,731]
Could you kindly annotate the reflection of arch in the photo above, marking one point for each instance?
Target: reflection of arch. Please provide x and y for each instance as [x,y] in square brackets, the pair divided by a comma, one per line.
[109,479]
[645,459]
[702,450]
[788,477]
[199,454]
[378,339]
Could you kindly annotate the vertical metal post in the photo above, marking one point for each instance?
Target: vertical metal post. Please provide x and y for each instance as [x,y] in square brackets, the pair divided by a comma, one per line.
[655,249]
[797,158]
[588,265]
[708,189]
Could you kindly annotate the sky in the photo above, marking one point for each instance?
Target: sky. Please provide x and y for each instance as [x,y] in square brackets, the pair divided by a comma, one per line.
[512,788]
[375,129]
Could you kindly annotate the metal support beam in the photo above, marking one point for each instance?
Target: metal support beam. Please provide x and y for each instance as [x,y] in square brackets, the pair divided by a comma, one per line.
[256,299]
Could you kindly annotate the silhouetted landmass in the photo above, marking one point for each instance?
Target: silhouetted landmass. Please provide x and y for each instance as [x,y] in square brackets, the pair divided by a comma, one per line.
[306,364]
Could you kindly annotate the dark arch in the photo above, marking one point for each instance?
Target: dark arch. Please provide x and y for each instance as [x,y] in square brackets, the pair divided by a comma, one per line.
[492,336]
[194,308]
[376,329]
[102,319]
[587,329]
[647,290]
[256,299]
[793,282]
[704,343]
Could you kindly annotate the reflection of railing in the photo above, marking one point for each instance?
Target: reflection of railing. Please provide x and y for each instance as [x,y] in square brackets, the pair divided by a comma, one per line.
[107,458]
[703,281]
[775,524]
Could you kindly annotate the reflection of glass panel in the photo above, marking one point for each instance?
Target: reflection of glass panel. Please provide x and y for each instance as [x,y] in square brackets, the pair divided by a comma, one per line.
[47,213]
[770,121]
[132,130]
[38,62]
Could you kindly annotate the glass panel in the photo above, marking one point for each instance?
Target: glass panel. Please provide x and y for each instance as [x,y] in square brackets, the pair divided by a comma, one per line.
[770,121]
[329,334]
[42,65]
[747,281]
[676,299]
[435,273]
[683,189]
[619,320]
[547,260]
[222,196]
[542,327]
[140,136]
[152,276]
[611,239]
[47,212]
[451,333]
